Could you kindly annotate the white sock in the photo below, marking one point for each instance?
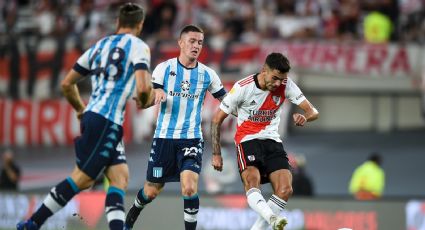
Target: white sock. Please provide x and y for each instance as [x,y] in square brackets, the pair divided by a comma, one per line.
[257,202]
[277,205]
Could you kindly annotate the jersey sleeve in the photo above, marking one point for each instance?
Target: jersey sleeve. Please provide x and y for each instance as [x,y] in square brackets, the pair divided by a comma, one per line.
[216,87]
[141,56]
[82,66]
[293,93]
[158,75]
[232,99]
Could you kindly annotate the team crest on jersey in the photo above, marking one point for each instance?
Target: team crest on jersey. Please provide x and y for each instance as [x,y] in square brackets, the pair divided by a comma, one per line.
[185,85]
[157,172]
[276,99]
[251,158]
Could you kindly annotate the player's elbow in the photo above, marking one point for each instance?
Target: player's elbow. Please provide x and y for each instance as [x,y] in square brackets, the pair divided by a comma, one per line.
[66,85]
[313,115]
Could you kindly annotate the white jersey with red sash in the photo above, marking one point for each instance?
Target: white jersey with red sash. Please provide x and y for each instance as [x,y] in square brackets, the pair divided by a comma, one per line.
[259,110]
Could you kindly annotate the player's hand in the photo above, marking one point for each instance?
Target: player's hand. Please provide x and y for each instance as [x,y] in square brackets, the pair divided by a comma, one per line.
[217,162]
[299,119]
[80,114]
[138,103]
[160,96]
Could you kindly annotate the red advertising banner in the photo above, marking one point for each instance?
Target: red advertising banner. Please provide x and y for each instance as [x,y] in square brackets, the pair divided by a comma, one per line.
[363,60]
[54,122]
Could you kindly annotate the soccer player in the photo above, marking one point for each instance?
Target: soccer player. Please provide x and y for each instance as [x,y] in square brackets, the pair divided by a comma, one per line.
[117,64]
[177,146]
[258,101]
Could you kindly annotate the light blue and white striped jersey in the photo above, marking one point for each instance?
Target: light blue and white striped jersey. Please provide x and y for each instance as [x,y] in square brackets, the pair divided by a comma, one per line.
[180,115]
[111,62]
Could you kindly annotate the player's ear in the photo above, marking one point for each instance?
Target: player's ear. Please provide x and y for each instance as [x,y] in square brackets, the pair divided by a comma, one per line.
[180,42]
[140,26]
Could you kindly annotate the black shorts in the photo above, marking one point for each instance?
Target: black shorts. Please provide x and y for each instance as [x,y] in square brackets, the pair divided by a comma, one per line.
[100,144]
[266,155]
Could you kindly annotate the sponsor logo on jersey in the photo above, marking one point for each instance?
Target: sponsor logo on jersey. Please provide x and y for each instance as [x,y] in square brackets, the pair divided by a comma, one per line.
[253,102]
[172,73]
[299,96]
[262,115]
[251,158]
[183,95]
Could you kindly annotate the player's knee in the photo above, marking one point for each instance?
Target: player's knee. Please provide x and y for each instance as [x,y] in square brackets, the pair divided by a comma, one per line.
[120,181]
[189,191]
[152,193]
[284,192]
[251,181]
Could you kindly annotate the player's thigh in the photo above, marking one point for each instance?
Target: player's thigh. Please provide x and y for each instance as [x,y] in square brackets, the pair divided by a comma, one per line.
[251,177]
[189,182]
[281,180]
[118,175]
[81,179]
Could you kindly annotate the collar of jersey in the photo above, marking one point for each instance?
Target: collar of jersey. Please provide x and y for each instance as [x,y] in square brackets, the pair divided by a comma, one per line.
[178,61]
[256,81]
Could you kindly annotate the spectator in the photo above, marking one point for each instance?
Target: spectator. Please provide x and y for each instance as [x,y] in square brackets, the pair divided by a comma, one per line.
[368,180]
[301,183]
[10,172]
[377,28]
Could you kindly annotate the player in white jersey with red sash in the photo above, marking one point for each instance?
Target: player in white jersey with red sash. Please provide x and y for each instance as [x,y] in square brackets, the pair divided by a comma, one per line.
[258,101]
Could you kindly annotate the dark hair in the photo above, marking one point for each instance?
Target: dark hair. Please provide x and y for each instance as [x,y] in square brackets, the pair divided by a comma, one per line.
[278,61]
[130,15]
[375,157]
[191,28]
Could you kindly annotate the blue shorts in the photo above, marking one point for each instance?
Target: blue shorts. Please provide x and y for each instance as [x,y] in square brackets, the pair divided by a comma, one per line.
[169,157]
[100,144]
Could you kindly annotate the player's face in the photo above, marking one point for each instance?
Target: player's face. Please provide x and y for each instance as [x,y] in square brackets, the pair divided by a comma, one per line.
[191,45]
[273,78]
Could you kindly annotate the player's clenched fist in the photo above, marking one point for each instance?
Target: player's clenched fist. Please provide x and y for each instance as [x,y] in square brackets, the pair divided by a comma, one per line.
[299,119]
[217,162]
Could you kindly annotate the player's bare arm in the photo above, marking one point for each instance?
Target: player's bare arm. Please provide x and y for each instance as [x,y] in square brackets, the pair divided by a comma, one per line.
[158,96]
[71,93]
[217,160]
[145,95]
[310,113]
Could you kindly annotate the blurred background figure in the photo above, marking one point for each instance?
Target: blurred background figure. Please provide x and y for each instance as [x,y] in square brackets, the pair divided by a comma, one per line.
[368,180]
[302,183]
[10,172]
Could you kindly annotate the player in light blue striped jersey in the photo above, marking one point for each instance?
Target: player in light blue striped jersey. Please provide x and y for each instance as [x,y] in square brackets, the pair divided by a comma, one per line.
[117,64]
[177,147]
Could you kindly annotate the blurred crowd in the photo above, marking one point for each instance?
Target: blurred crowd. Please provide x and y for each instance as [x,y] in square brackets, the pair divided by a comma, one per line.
[26,26]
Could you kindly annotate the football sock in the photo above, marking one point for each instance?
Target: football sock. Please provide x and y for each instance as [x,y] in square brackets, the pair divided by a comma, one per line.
[257,202]
[139,203]
[277,205]
[191,207]
[55,200]
[141,200]
[114,208]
